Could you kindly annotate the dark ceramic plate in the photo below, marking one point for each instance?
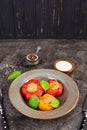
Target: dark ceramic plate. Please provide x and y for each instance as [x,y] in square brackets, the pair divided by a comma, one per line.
[68,100]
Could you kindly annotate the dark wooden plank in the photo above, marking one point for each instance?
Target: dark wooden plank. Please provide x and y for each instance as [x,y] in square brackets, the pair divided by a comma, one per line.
[43,19]
[19,19]
[6,19]
[24,12]
[46,18]
[69,18]
[82,32]
[30,18]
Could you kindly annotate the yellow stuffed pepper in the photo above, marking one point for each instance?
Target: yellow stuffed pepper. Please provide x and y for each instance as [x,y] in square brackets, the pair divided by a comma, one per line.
[48,102]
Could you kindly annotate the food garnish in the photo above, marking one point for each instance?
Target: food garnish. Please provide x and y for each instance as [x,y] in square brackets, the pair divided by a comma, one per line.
[34,102]
[45,85]
[55,103]
[42,94]
[14,74]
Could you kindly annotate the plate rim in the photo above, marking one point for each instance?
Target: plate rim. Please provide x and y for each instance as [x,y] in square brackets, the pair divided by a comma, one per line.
[46,114]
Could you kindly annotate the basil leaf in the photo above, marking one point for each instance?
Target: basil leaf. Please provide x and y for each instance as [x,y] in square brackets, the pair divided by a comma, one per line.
[55,103]
[14,74]
[45,85]
[34,102]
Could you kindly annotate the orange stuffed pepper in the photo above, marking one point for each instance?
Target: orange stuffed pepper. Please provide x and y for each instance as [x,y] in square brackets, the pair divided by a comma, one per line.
[48,102]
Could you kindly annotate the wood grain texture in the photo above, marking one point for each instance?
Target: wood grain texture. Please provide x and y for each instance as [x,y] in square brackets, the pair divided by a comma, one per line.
[43,19]
[6,19]
[82,32]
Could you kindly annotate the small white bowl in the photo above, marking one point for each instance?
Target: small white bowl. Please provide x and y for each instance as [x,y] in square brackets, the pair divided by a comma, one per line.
[64,65]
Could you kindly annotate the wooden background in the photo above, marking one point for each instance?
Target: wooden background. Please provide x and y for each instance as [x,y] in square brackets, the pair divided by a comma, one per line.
[43,19]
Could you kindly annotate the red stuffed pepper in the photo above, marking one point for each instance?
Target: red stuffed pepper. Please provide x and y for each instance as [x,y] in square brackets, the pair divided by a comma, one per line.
[32,88]
[56,88]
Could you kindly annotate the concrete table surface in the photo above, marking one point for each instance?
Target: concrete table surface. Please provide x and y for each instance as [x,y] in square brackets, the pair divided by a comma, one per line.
[12,53]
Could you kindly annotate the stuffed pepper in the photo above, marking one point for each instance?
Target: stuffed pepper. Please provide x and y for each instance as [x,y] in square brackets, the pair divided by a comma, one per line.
[56,88]
[48,102]
[32,88]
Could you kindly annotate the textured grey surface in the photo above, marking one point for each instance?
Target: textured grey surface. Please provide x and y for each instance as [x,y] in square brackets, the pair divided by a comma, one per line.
[12,53]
